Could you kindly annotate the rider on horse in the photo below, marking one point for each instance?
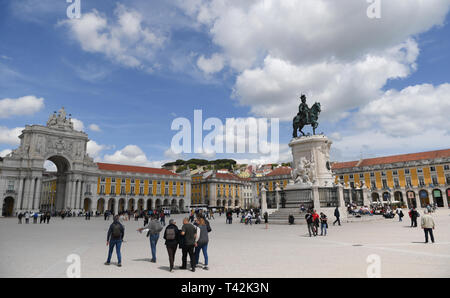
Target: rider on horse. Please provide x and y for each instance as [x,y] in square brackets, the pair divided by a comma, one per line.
[303,109]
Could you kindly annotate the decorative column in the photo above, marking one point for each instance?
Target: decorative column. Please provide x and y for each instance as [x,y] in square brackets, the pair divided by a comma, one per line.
[116,206]
[30,194]
[263,199]
[78,196]
[37,195]
[444,197]
[68,191]
[277,195]
[365,194]
[316,197]
[19,195]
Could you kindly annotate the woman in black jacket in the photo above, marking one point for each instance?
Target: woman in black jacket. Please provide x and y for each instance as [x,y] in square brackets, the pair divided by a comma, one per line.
[172,237]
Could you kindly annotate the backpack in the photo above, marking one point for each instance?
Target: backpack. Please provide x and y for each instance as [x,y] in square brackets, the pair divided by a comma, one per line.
[116,231]
[170,234]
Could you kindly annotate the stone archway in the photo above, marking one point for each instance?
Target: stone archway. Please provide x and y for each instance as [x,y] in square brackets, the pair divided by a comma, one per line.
[424,198]
[140,205]
[101,205]
[121,205]
[157,203]
[181,205]
[63,186]
[438,198]
[236,203]
[60,143]
[166,203]
[112,205]
[173,204]
[218,203]
[398,198]
[131,205]
[149,204]
[375,197]
[87,204]
[8,207]
[411,197]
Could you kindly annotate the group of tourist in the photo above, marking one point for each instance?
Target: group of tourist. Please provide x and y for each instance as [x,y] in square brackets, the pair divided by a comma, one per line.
[43,217]
[314,220]
[192,239]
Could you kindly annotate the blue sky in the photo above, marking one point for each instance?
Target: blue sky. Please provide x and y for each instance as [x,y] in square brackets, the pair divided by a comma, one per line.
[132,84]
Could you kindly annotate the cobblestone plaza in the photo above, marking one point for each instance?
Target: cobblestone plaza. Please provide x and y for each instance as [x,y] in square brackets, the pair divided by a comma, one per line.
[237,250]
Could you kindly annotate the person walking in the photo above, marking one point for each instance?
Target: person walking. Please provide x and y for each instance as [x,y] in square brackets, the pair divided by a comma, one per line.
[162,218]
[202,243]
[323,224]
[48,215]
[35,217]
[189,233]
[428,225]
[414,215]
[316,222]
[309,222]
[20,217]
[337,215]
[266,220]
[172,236]
[114,238]
[399,213]
[154,228]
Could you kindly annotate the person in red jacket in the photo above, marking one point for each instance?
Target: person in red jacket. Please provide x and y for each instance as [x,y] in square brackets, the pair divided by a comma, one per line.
[316,220]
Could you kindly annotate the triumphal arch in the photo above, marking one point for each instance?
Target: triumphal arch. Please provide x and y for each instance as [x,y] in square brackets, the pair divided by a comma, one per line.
[22,171]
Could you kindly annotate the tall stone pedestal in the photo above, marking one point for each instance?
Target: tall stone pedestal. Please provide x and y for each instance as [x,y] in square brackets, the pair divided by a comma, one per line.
[312,185]
[314,149]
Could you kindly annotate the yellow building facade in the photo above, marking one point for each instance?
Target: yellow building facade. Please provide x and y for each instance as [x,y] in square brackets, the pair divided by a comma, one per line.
[416,179]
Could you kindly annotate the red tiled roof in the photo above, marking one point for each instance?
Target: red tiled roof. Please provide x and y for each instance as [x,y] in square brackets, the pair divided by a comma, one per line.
[280,171]
[224,176]
[393,159]
[134,169]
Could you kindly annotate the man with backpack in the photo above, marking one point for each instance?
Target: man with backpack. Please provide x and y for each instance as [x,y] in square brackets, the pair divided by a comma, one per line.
[154,228]
[114,237]
[172,236]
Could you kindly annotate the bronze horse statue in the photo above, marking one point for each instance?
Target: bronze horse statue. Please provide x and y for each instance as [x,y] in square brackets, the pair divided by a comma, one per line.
[300,120]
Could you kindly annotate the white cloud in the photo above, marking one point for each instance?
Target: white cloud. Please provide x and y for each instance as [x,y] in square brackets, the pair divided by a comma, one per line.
[126,40]
[25,105]
[5,152]
[93,150]
[78,124]
[50,166]
[211,65]
[410,111]
[274,89]
[328,49]
[10,136]
[310,30]
[131,155]
[95,127]
[371,143]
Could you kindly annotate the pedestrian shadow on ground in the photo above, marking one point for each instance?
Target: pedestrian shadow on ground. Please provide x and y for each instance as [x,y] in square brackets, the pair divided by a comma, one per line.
[165,268]
[142,260]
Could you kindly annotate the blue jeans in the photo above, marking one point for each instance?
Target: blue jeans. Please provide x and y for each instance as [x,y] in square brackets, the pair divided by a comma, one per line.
[323,227]
[204,248]
[117,244]
[153,240]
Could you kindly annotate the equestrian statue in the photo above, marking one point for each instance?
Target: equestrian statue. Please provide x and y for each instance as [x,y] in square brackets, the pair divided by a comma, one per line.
[306,116]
